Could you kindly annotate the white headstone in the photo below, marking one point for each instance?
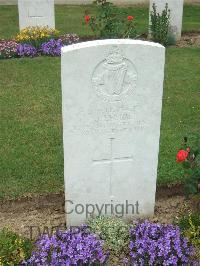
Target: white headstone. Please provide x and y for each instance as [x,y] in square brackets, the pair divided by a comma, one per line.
[36,13]
[176,14]
[111,99]
[116,2]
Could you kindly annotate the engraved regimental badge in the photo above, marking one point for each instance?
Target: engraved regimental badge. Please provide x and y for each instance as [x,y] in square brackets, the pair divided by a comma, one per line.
[115,77]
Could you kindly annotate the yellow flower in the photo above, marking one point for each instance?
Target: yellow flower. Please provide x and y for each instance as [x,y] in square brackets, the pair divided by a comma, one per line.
[21,254]
[35,33]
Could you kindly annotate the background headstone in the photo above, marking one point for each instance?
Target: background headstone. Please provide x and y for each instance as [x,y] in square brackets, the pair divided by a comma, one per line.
[111,98]
[85,2]
[176,14]
[36,13]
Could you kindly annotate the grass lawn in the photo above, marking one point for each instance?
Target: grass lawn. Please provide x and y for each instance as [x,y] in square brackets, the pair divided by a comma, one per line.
[31,150]
[31,154]
[70,19]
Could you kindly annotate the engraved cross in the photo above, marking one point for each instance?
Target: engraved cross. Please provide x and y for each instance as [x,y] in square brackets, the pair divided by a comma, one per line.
[111,162]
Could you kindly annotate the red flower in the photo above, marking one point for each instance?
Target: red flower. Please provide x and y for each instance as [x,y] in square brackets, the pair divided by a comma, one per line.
[181,156]
[130,18]
[87,19]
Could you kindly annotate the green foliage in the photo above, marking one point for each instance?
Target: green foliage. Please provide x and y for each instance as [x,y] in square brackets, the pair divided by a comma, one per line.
[190,226]
[13,248]
[160,25]
[191,168]
[113,231]
[111,22]
[185,221]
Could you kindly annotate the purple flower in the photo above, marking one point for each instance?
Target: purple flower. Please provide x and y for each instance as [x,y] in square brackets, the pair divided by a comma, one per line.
[75,246]
[125,260]
[26,50]
[159,244]
[52,47]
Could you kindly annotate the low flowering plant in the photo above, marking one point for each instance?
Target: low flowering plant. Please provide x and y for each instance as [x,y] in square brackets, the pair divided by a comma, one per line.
[26,50]
[188,157]
[8,49]
[190,227]
[52,47]
[13,248]
[74,247]
[69,38]
[159,244]
[114,232]
[36,35]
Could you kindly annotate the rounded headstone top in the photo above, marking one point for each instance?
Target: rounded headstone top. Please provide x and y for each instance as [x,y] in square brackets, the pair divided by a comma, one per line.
[107,42]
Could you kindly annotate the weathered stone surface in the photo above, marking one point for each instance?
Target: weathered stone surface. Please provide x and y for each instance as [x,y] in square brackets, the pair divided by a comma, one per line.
[36,13]
[112,99]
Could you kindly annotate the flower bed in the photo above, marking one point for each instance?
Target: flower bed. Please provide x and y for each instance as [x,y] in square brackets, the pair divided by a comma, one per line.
[158,244]
[36,41]
[36,35]
[141,243]
[76,246]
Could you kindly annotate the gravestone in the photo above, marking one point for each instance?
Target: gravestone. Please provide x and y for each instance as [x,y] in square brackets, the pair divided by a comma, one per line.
[176,14]
[116,2]
[111,100]
[36,13]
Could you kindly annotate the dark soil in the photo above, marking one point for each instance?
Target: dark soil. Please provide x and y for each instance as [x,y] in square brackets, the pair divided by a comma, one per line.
[33,216]
[188,39]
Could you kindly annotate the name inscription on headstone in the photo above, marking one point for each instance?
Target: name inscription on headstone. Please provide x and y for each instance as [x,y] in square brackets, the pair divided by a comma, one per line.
[113,108]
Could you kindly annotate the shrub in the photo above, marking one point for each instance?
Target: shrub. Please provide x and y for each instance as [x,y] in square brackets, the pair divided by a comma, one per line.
[160,25]
[110,22]
[13,248]
[28,50]
[188,157]
[8,49]
[36,35]
[190,226]
[76,246]
[52,47]
[159,244]
[114,232]
[185,221]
